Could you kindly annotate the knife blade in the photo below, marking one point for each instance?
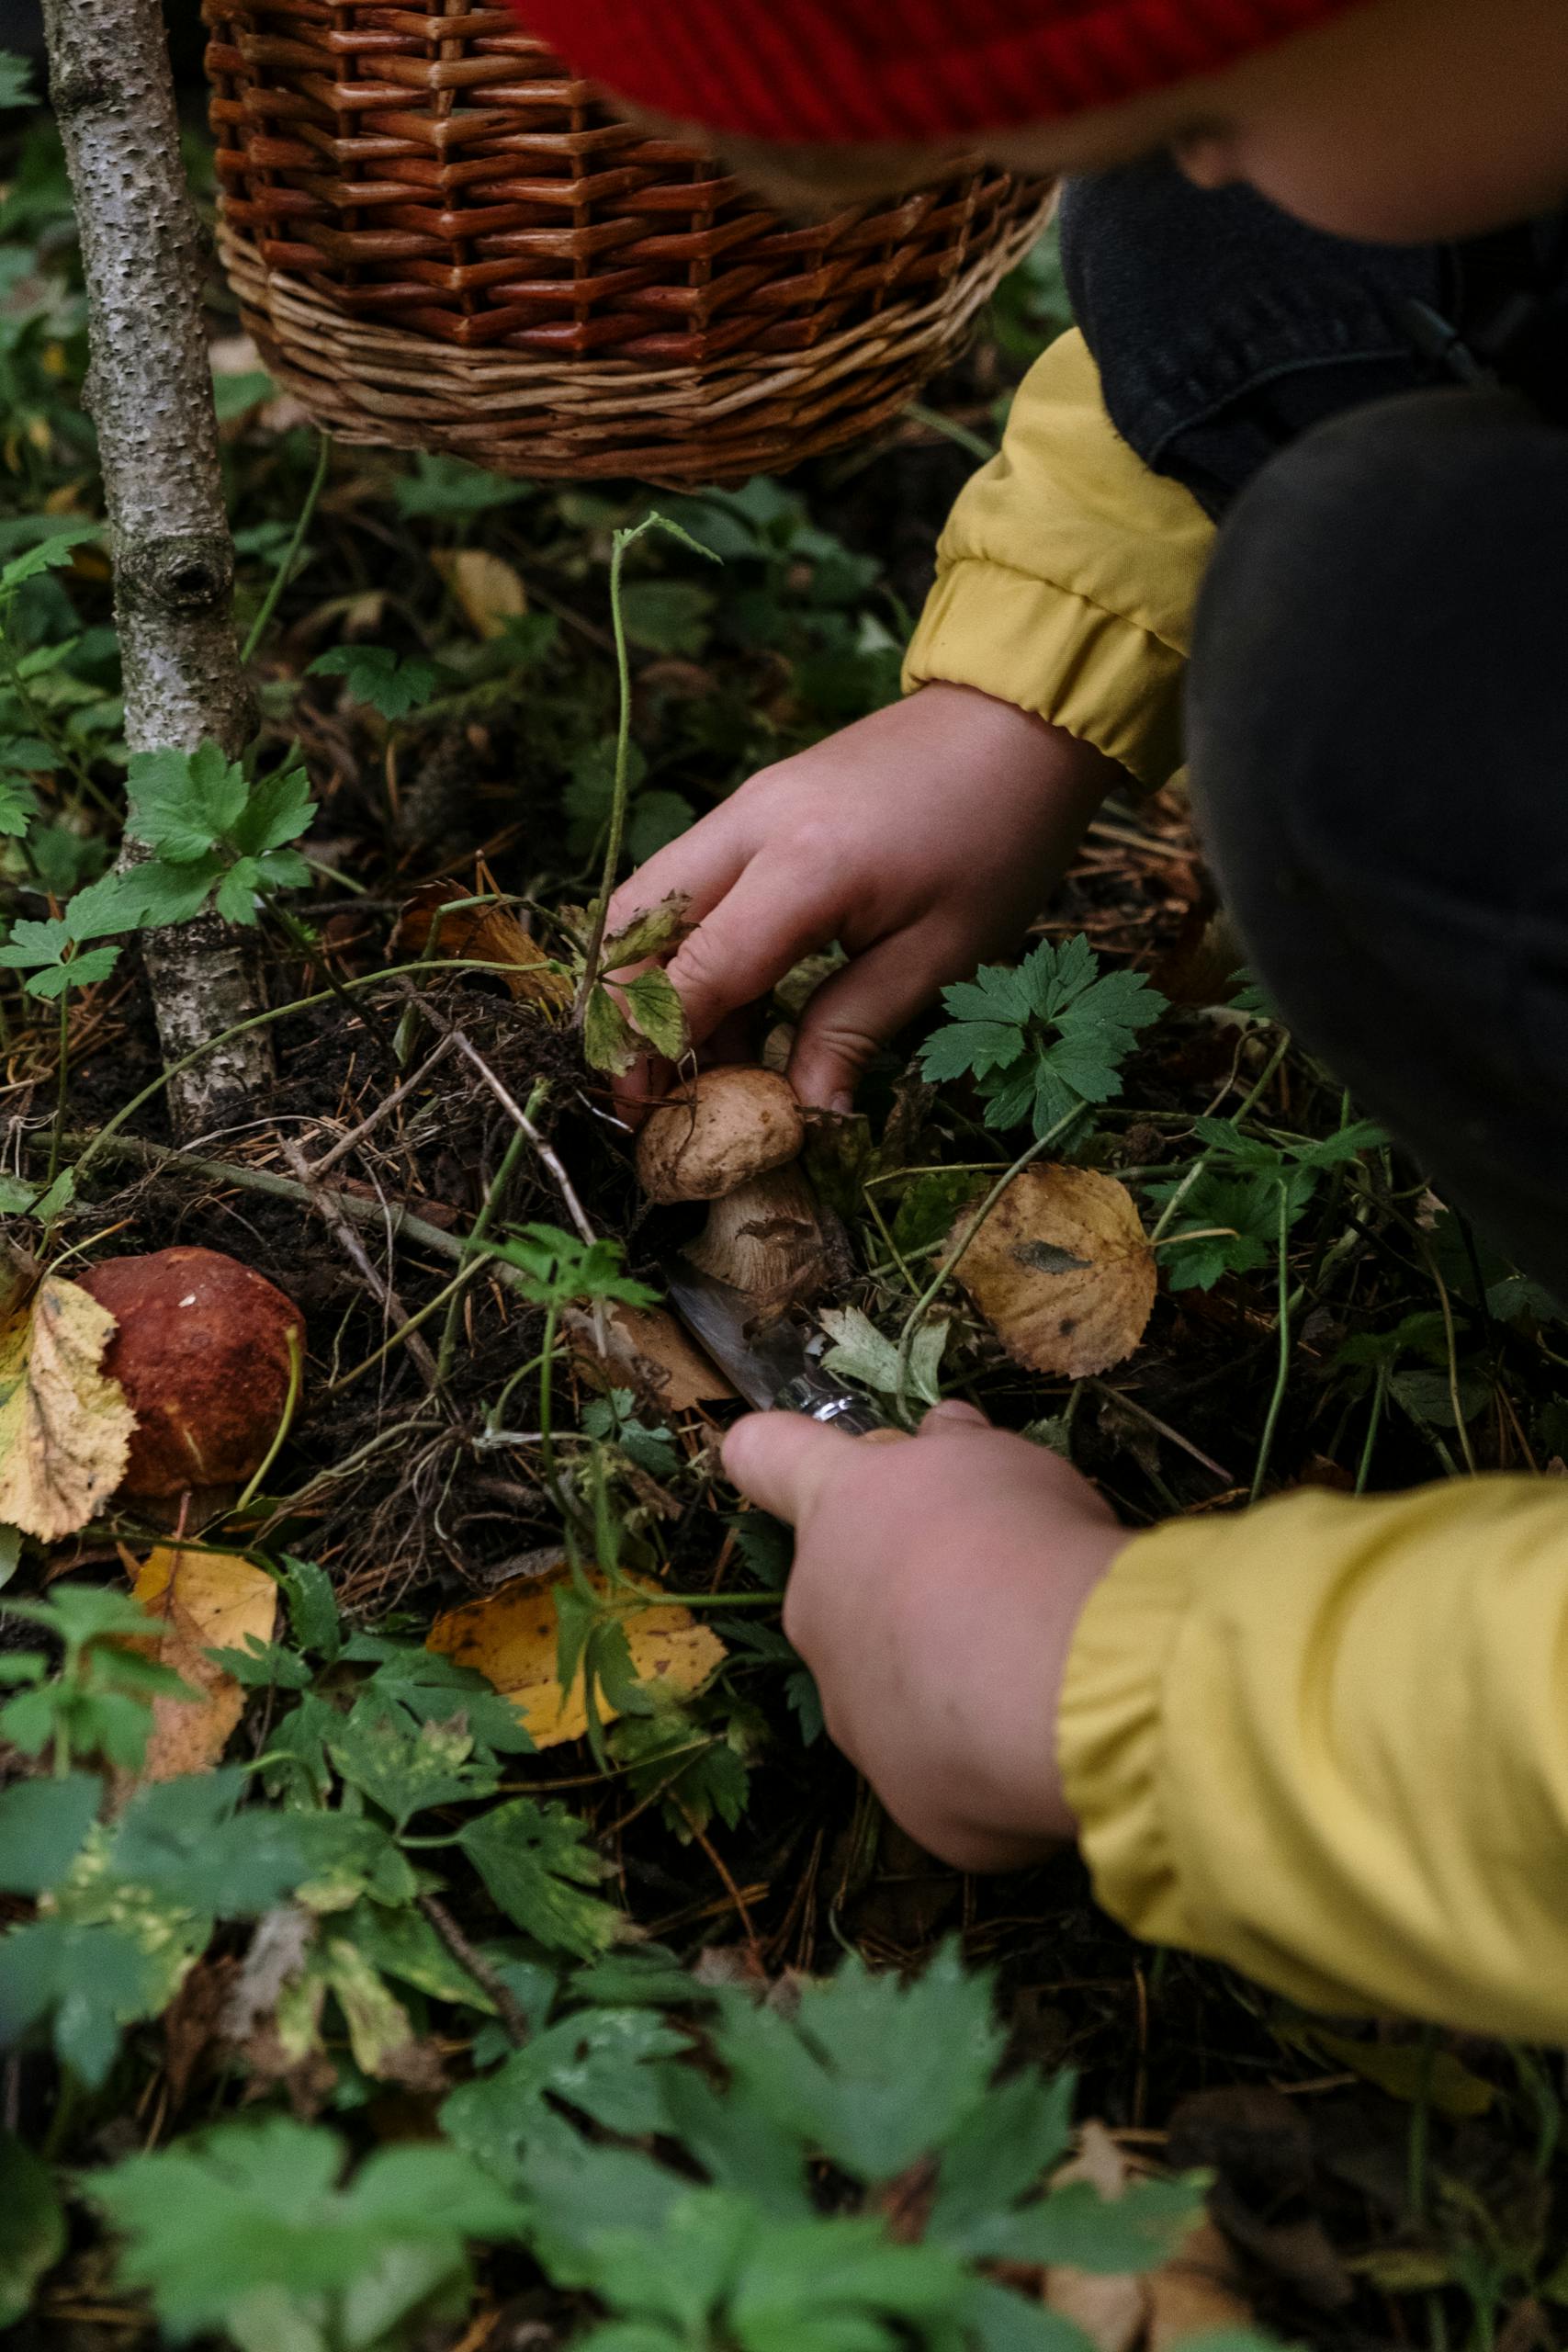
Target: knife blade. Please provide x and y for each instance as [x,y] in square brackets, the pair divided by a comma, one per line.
[765,1359]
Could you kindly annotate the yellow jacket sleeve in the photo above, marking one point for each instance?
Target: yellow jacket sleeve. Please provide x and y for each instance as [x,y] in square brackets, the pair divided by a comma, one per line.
[1066,575]
[1326,1740]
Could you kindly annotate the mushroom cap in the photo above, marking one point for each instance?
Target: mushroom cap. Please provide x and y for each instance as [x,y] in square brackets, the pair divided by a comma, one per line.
[202,1353]
[733,1123]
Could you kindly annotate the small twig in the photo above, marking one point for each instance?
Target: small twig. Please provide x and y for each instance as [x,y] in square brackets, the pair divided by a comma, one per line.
[400,1094]
[513,2024]
[482,1224]
[327,1207]
[1276,1402]
[1163,1429]
[514,1111]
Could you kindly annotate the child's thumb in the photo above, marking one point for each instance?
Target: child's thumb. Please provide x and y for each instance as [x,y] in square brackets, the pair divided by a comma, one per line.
[782,1461]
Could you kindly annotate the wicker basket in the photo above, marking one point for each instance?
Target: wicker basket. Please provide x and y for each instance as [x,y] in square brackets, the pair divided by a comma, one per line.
[441,241]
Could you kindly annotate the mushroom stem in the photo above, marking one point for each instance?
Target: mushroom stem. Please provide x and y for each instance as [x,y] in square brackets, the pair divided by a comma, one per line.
[765,1239]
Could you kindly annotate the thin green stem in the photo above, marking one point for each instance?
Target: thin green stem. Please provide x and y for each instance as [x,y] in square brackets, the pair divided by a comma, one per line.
[482,1224]
[546,1401]
[963,435]
[57,1133]
[619,793]
[1276,1402]
[286,1421]
[1253,1094]
[1451,1337]
[1380,1392]
[280,578]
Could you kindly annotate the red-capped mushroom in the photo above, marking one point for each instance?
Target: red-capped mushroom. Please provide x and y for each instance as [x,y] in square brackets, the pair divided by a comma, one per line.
[205,1353]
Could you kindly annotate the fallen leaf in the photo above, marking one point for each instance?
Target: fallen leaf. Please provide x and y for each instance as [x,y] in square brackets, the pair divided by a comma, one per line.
[208,1600]
[1109,2309]
[510,1638]
[488,589]
[1062,1270]
[647,1350]
[1197,2290]
[489,935]
[860,1352]
[64,1426]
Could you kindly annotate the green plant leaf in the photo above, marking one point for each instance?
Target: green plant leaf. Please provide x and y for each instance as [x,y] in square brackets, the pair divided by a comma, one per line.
[601,2062]
[535,1862]
[860,1352]
[256,2208]
[654,1008]
[278,809]
[649,933]
[392,683]
[182,803]
[405,1767]
[51,554]
[871,2072]
[90,1978]
[42,1826]
[32,2221]
[1043,1038]
[17,87]
[609,1041]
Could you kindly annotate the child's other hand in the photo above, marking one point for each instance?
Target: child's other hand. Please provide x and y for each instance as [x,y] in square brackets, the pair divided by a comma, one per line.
[924,839]
[934,1594]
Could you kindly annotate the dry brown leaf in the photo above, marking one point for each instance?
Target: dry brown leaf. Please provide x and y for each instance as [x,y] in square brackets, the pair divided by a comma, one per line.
[490,935]
[647,1350]
[1062,1270]
[1197,2290]
[510,1638]
[208,1600]
[1111,2310]
[488,589]
[64,1426]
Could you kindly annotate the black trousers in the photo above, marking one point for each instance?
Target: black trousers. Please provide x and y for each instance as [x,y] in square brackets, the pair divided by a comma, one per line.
[1378,725]
[1378,702]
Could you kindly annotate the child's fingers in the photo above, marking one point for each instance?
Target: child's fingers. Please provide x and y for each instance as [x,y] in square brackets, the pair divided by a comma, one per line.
[784,1461]
[775,914]
[852,1015]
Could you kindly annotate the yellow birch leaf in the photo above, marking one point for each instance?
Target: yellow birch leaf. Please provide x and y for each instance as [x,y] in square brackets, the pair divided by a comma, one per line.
[486,936]
[488,589]
[646,1350]
[208,1600]
[1062,1270]
[64,1426]
[510,1638]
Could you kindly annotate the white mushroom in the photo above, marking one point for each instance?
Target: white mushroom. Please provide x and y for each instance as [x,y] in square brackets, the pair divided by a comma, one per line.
[732,1139]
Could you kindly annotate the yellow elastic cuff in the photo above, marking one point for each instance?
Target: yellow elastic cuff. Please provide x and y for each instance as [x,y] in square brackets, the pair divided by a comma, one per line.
[1026,641]
[1108,1733]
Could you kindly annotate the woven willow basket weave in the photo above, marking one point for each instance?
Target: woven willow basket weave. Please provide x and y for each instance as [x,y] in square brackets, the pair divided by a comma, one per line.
[441,240]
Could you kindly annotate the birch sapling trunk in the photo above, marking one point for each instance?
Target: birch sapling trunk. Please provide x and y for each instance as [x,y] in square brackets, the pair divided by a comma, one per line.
[150,393]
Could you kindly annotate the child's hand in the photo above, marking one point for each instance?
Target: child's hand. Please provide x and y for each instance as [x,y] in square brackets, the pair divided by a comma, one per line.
[935,1590]
[923,839]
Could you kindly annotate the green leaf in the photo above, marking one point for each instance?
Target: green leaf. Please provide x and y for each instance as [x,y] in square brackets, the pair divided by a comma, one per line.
[1057,1028]
[406,1766]
[667,615]
[654,1008]
[861,1352]
[601,2063]
[998,2154]
[402,1942]
[392,683]
[253,2209]
[32,2221]
[18,804]
[17,80]
[91,1978]
[182,803]
[1409,2071]
[446,487]
[312,1608]
[42,1826]
[83,971]
[278,808]
[186,1840]
[434,1689]
[533,1861]
[871,2072]
[649,933]
[609,1041]
[1110,2235]
[50,555]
